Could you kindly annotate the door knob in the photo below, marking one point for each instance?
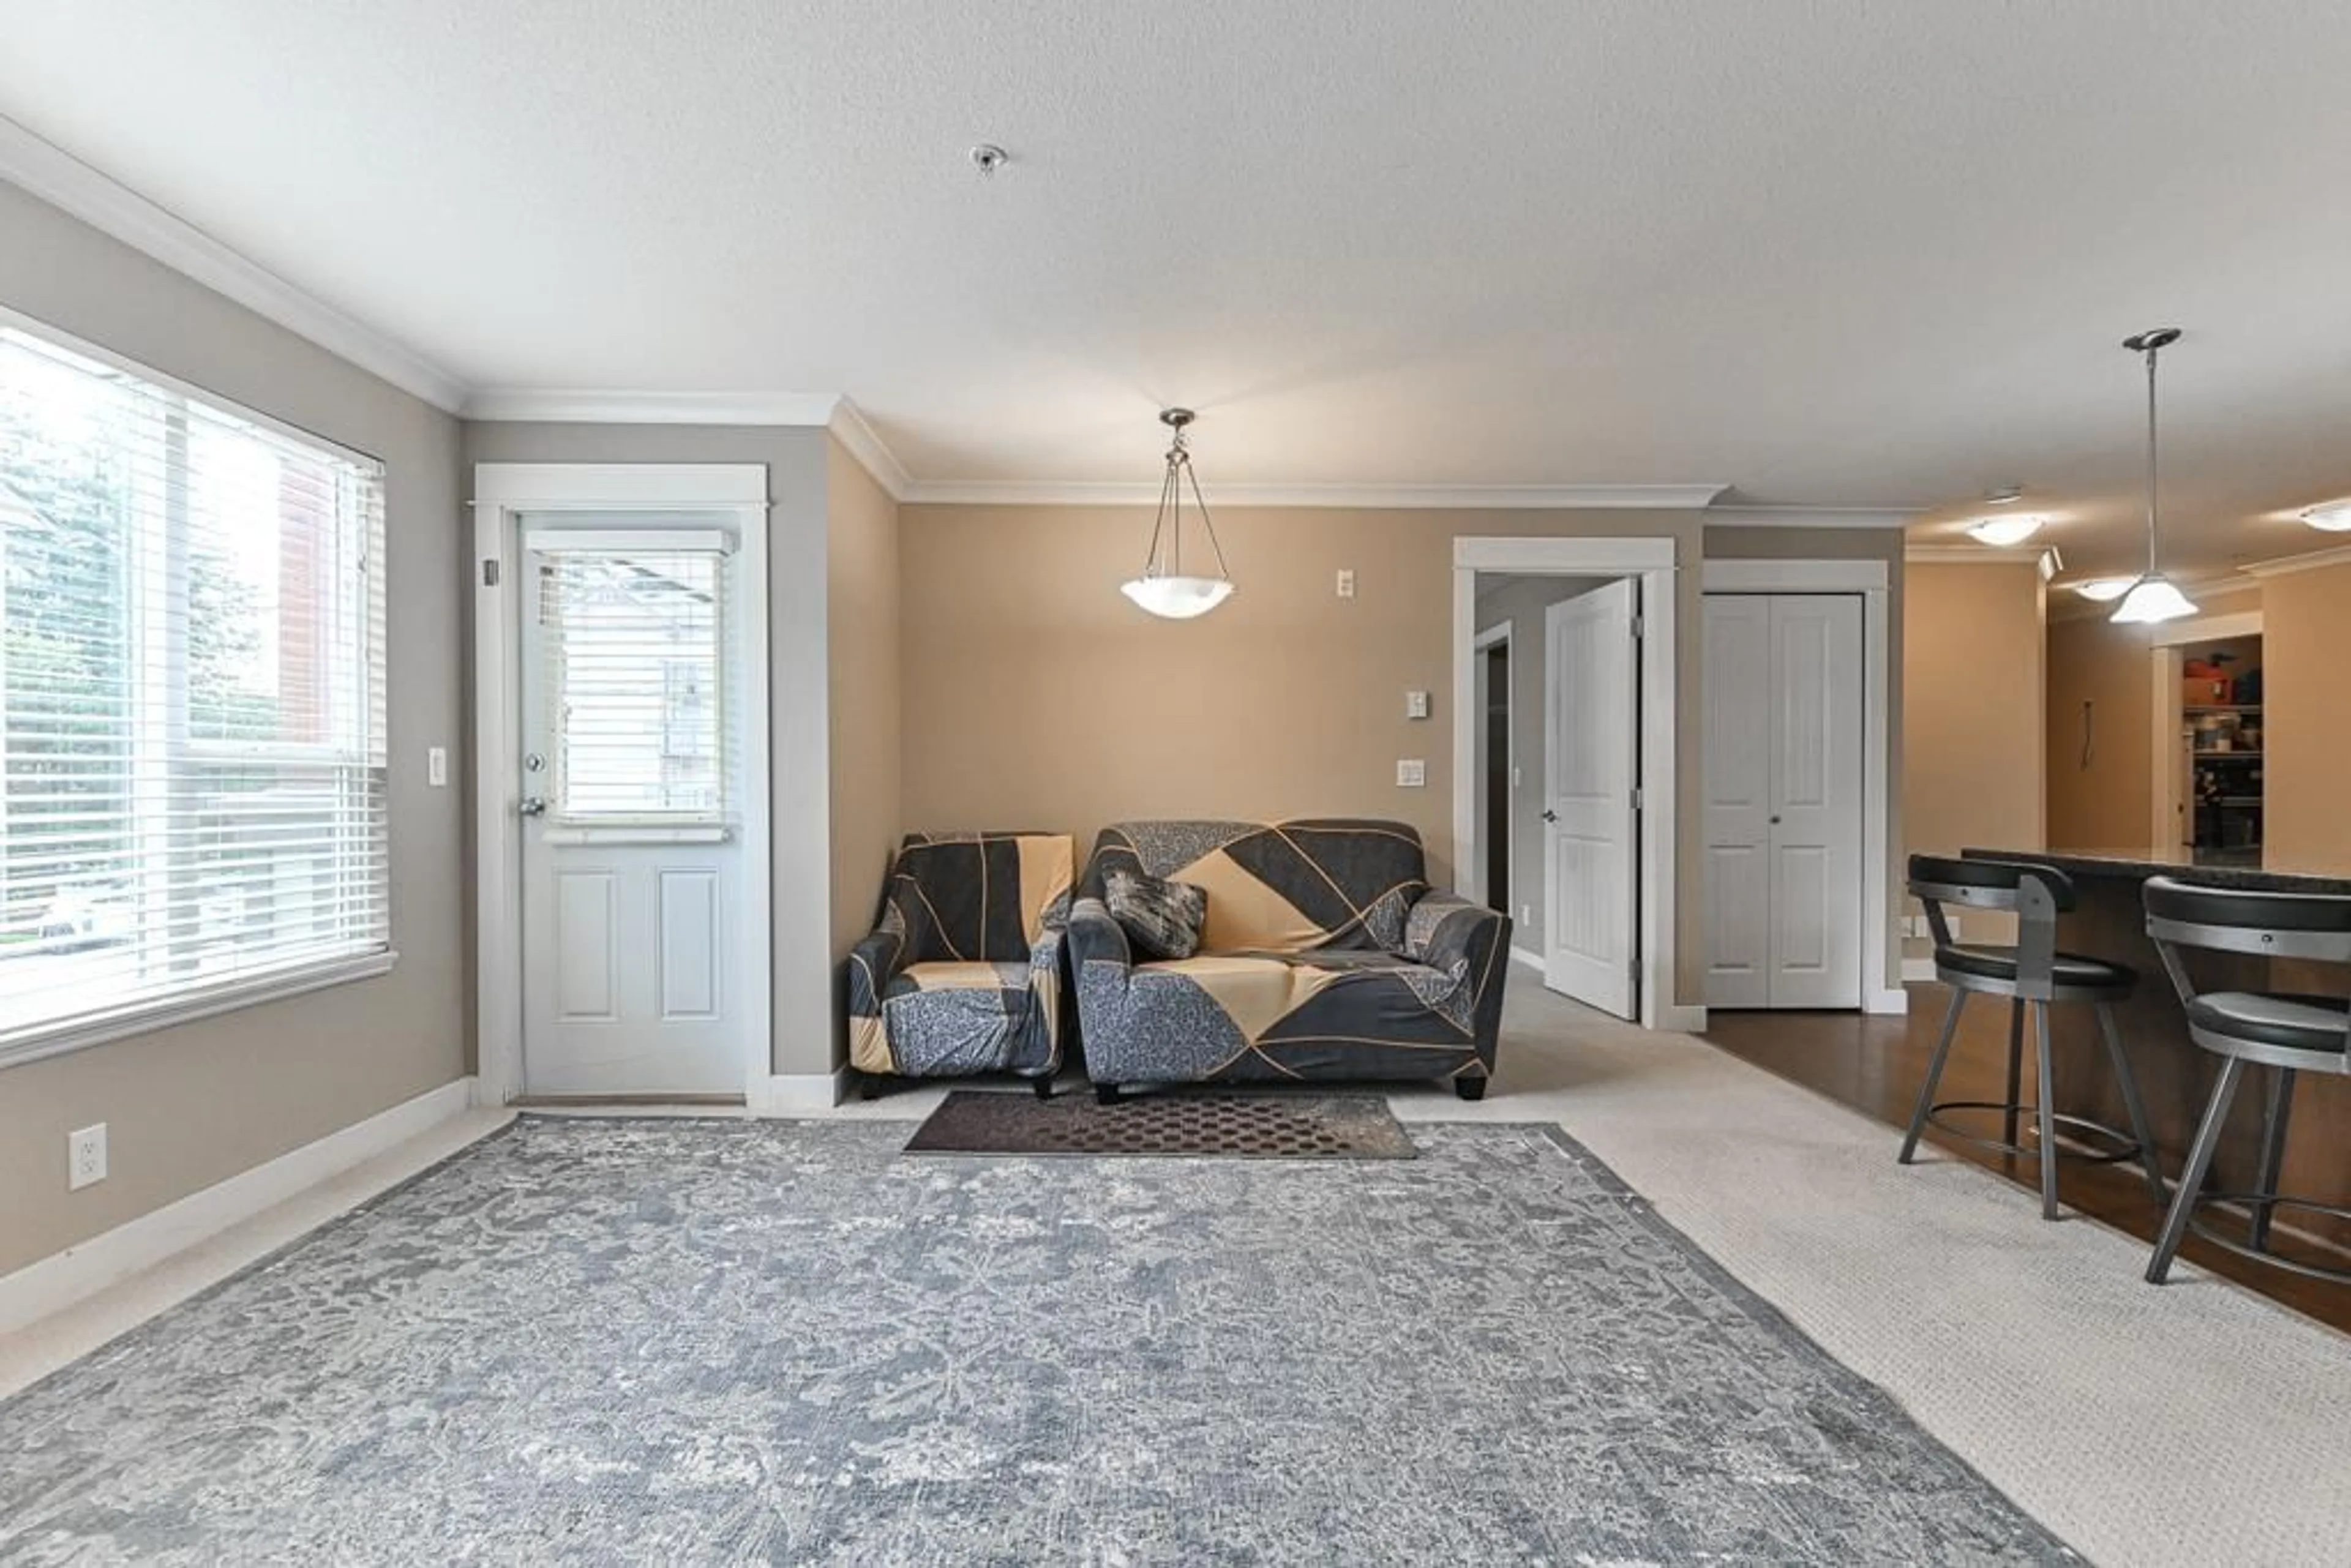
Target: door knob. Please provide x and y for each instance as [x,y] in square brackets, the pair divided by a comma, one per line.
[533,806]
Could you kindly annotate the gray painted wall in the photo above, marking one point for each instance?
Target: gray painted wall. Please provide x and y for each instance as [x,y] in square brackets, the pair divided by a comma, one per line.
[189,1106]
[1520,602]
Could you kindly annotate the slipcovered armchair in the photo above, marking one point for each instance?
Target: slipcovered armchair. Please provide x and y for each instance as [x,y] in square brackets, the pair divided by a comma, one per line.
[964,972]
[1324,954]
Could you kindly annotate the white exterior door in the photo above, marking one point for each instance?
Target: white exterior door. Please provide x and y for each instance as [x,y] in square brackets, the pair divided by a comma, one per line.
[1591,824]
[1784,801]
[632,880]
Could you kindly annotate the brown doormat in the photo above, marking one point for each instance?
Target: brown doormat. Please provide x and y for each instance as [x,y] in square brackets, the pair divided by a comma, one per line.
[1276,1127]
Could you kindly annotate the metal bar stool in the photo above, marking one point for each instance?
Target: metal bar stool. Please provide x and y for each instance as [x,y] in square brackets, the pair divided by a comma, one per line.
[2032,974]
[2289,1034]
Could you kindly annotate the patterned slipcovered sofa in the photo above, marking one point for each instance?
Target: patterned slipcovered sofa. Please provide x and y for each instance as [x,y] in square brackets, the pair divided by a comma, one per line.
[1324,955]
[964,972]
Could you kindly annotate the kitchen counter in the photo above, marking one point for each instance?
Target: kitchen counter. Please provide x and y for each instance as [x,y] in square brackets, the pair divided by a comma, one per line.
[2109,920]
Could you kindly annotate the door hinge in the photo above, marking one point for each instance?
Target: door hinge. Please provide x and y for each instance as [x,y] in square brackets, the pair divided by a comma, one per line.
[1640,627]
[1637,797]
[489,574]
[1636,974]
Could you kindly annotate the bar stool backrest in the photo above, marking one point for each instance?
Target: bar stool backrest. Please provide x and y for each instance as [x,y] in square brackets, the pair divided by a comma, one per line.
[2035,893]
[2314,926]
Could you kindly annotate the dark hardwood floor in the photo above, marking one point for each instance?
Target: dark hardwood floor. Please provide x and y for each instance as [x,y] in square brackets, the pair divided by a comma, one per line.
[1876,1065]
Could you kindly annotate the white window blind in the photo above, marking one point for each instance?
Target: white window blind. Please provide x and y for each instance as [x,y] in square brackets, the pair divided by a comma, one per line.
[191,708]
[634,646]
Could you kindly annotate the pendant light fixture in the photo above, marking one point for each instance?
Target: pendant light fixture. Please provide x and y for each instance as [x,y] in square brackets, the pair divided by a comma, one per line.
[1163,589]
[2154,597]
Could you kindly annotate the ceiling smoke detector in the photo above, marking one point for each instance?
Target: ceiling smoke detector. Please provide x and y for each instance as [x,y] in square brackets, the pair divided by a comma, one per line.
[2005,495]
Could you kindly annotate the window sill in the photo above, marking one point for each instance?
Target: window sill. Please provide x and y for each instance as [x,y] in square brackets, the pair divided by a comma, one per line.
[39,1041]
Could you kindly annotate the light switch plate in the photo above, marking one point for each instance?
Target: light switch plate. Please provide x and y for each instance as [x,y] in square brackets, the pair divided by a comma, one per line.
[1415,705]
[1346,583]
[1411,773]
[436,766]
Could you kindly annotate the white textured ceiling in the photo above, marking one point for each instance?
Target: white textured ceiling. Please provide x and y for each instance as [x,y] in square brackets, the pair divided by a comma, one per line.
[1832,254]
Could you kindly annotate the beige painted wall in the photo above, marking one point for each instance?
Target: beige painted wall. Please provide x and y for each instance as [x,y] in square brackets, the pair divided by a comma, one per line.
[800,727]
[1520,602]
[1724,543]
[862,625]
[2306,720]
[189,1106]
[1974,683]
[2108,801]
[1035,694]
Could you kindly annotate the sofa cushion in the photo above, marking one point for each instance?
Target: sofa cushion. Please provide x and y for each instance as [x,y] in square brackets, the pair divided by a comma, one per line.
[984,895]
[1162,918]
[1279,887]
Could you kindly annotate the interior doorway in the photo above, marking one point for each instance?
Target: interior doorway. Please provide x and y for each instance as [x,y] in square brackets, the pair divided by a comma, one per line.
[1497,763]
[1585,868]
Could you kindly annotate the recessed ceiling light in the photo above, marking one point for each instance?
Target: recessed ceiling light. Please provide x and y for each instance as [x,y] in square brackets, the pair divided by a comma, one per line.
[2104,590]
[2335,517]
[2002,532]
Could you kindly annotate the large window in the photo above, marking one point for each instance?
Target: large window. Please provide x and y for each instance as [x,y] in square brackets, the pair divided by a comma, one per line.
[192,734]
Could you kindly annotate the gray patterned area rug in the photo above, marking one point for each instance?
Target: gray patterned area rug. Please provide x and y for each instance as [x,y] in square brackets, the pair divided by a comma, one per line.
[672,1342]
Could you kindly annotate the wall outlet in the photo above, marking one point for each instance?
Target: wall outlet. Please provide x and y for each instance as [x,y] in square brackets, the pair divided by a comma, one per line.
[436,766]
[1346,583]
[1411,773]
[85,1157]
[1415,705]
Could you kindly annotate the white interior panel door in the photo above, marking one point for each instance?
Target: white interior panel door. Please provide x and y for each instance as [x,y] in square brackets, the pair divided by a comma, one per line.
[630,847]
[1817,717]
[1590,824]
[1738,815]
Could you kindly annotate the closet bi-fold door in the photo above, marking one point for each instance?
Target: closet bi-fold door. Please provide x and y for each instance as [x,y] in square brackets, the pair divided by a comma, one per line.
[1783,770]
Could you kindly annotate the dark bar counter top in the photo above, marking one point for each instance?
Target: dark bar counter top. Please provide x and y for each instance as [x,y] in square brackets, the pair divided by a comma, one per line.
[2109,920]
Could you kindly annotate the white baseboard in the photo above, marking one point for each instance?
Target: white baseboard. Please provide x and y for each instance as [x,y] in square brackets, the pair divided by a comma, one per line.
[1891,1001]
[1917,969]
[798,1093]
[1531,960]
[55,1283]
[1680,1018]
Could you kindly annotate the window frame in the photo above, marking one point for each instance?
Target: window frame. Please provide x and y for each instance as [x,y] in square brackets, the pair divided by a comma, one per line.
[297,975]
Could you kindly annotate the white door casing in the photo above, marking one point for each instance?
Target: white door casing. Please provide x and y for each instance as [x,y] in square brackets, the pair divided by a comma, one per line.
[719,496]
[632,853]
[1591,824]
[1784,801]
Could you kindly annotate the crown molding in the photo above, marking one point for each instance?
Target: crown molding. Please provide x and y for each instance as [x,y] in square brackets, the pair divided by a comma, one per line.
[2046,557]
[53,175]
[2284,565]
[1432,498]
[599,406]
[1810,517]
[863,441]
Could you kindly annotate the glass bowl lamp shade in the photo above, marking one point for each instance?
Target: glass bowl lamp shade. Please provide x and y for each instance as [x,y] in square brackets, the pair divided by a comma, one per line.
[2151,599]
[1165,589]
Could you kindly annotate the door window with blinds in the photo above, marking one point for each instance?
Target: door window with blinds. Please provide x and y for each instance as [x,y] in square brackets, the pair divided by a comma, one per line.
[632,637]
[191,699]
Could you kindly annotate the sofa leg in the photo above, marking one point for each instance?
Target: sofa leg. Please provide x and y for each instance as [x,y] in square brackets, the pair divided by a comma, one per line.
[1043,1086]
[868,1086]
[1108,1093]
[1471,1088]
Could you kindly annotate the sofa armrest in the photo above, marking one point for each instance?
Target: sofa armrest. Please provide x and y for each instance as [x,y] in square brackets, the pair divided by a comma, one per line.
[897,940]
[1447,931]
[1095,937]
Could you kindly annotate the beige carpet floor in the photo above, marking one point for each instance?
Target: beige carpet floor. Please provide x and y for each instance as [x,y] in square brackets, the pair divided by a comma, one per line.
[2195,1424]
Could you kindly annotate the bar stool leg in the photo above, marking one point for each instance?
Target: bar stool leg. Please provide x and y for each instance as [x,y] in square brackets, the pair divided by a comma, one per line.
[2015,1066]
[2047,1110]
[2132,1103]
[2275,1112]
[2192,1179]
[1934,1076]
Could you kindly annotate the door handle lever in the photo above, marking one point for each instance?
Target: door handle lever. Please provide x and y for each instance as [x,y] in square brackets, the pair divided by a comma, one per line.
[533,806]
